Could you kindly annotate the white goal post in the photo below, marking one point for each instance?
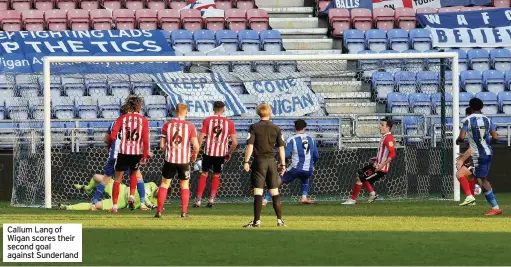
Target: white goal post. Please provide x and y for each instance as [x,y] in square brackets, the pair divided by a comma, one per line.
[49,60]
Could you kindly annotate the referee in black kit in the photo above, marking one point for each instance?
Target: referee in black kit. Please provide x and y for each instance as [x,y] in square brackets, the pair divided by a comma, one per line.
[263,137]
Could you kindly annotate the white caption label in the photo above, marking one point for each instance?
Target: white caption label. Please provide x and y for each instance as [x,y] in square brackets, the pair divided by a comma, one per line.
[42,243]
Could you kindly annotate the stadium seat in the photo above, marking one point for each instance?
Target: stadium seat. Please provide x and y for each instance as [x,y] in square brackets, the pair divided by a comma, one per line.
[376,40]
[367,67]
[245,4]
[493,81]
[420,39]
[504,99]
[96,87]
[33,20]
[258,19]
[471,81]
[405,18]
[155,106]
[436,99]
[391,65]
[63,108]
[111,4]
[73,86]
[108,107]
[462,59]
[36,108]
[248,40]
[66,4]
[120,89]
[428,82]
[354,41]
[17,108]
[223,4]
[89,4]
[361,18]
[420,103]
[100,19]
[133,4]
[490,102]
[168,19]
[124,19]
[182,40]
[43,5]
[339,20]
[271,41]
[10,20]
[86,107]
[501,3]
[21,5]
[507,78]
[286,66]
[398,40]
[383,18]
[204,40]
[423,10]
[56,19]
[464,99]
[27,86]
[382,84]
[500,59]
[478,59]
[147,19]
[78,19]
[414,129]
[219,66]
[241,66]
[406,82]
[191,19]
[235,19]
[227,38]
[447,81]
[214,19]
[143,87]
[397,103]
[432,64]
[449,9]
[264,66]
[155,4]
[177,4]
[414,64]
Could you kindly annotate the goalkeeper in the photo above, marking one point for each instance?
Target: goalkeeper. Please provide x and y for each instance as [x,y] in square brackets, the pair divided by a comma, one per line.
[149,200]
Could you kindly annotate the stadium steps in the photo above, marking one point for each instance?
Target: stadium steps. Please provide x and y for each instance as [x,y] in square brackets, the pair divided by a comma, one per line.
[350,108]
[280,3]
[289,12]
[347,97]
[353,87]
[315,52]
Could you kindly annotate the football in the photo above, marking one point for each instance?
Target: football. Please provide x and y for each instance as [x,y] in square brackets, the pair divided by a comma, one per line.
[197,166]
[477,190]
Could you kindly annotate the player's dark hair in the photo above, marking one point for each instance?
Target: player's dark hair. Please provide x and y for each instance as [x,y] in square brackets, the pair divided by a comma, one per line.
[300,124]
[476,104]
[388,122]
[218,105]
[133,103]
[468,111]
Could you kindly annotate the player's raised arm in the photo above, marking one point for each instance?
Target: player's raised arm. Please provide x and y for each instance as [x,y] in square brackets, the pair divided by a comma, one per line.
[463,132]
[289,147]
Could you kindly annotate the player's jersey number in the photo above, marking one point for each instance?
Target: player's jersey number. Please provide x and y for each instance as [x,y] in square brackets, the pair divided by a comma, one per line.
[305,146]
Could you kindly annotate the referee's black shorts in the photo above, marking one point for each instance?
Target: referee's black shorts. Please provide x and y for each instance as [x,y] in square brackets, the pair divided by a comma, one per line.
[170,169]
[264,170]
[369,173]
[212,163]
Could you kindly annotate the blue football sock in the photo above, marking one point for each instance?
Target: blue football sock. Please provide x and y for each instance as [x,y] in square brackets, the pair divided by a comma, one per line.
[141,190]
[490,197]
[98,192]
[305,187]
[267,197]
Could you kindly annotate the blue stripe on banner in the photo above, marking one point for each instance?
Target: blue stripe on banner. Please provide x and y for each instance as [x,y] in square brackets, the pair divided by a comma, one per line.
[224,84]
[227,98]
[164,84]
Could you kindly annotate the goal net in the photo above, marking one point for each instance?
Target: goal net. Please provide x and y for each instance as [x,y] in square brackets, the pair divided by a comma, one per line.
[59,118]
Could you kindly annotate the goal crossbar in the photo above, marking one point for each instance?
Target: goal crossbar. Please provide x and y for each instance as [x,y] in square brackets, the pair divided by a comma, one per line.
[48,60]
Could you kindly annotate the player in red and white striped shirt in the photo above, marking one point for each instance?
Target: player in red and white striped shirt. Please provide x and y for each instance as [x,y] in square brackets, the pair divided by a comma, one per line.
[176,136]
[217,130]
[132,131]
[378,167]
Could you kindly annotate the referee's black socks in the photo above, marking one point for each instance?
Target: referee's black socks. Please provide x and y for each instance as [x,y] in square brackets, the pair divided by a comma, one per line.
[276,206]
[258,206]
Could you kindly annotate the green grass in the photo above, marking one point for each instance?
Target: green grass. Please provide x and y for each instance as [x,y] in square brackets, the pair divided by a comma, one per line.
[384,233]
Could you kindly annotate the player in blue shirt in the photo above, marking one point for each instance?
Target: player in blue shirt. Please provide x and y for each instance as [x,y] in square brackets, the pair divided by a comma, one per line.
[481,133]
[304,153]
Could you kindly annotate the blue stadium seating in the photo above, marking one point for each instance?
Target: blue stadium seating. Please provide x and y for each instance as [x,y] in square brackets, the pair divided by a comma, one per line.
[108,106]
[27,86]
[500,59]
[490,102]
[414,64]
[432,64]
[420,39]
[271,40]
[36,107]
[367,67]
[504,99]
[494,81]
[428,82]
[464,99]
[63,107]
[155,106]
[391,65]
[420,103]
[17,108]
[354,41]
[73,86]
[227,38]
[182,40]
[397,103]
[96,87]
[414,126]
[248,40]
[376,40]
[436,100]
[478,59]
[406,82]
[471,81]
[86,107]
[204,40]
[382,84]
[398,40]
[462,59]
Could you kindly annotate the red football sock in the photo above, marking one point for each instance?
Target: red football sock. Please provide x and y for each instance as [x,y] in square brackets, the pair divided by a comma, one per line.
[465,186]
[356,191]
[202,185]
[185,198]
[368,186]
[472,183]
[215,184]
[133,184]
[162,196]
[115,192]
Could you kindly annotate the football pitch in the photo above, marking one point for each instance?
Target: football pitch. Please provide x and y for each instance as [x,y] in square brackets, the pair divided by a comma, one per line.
[383,233]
